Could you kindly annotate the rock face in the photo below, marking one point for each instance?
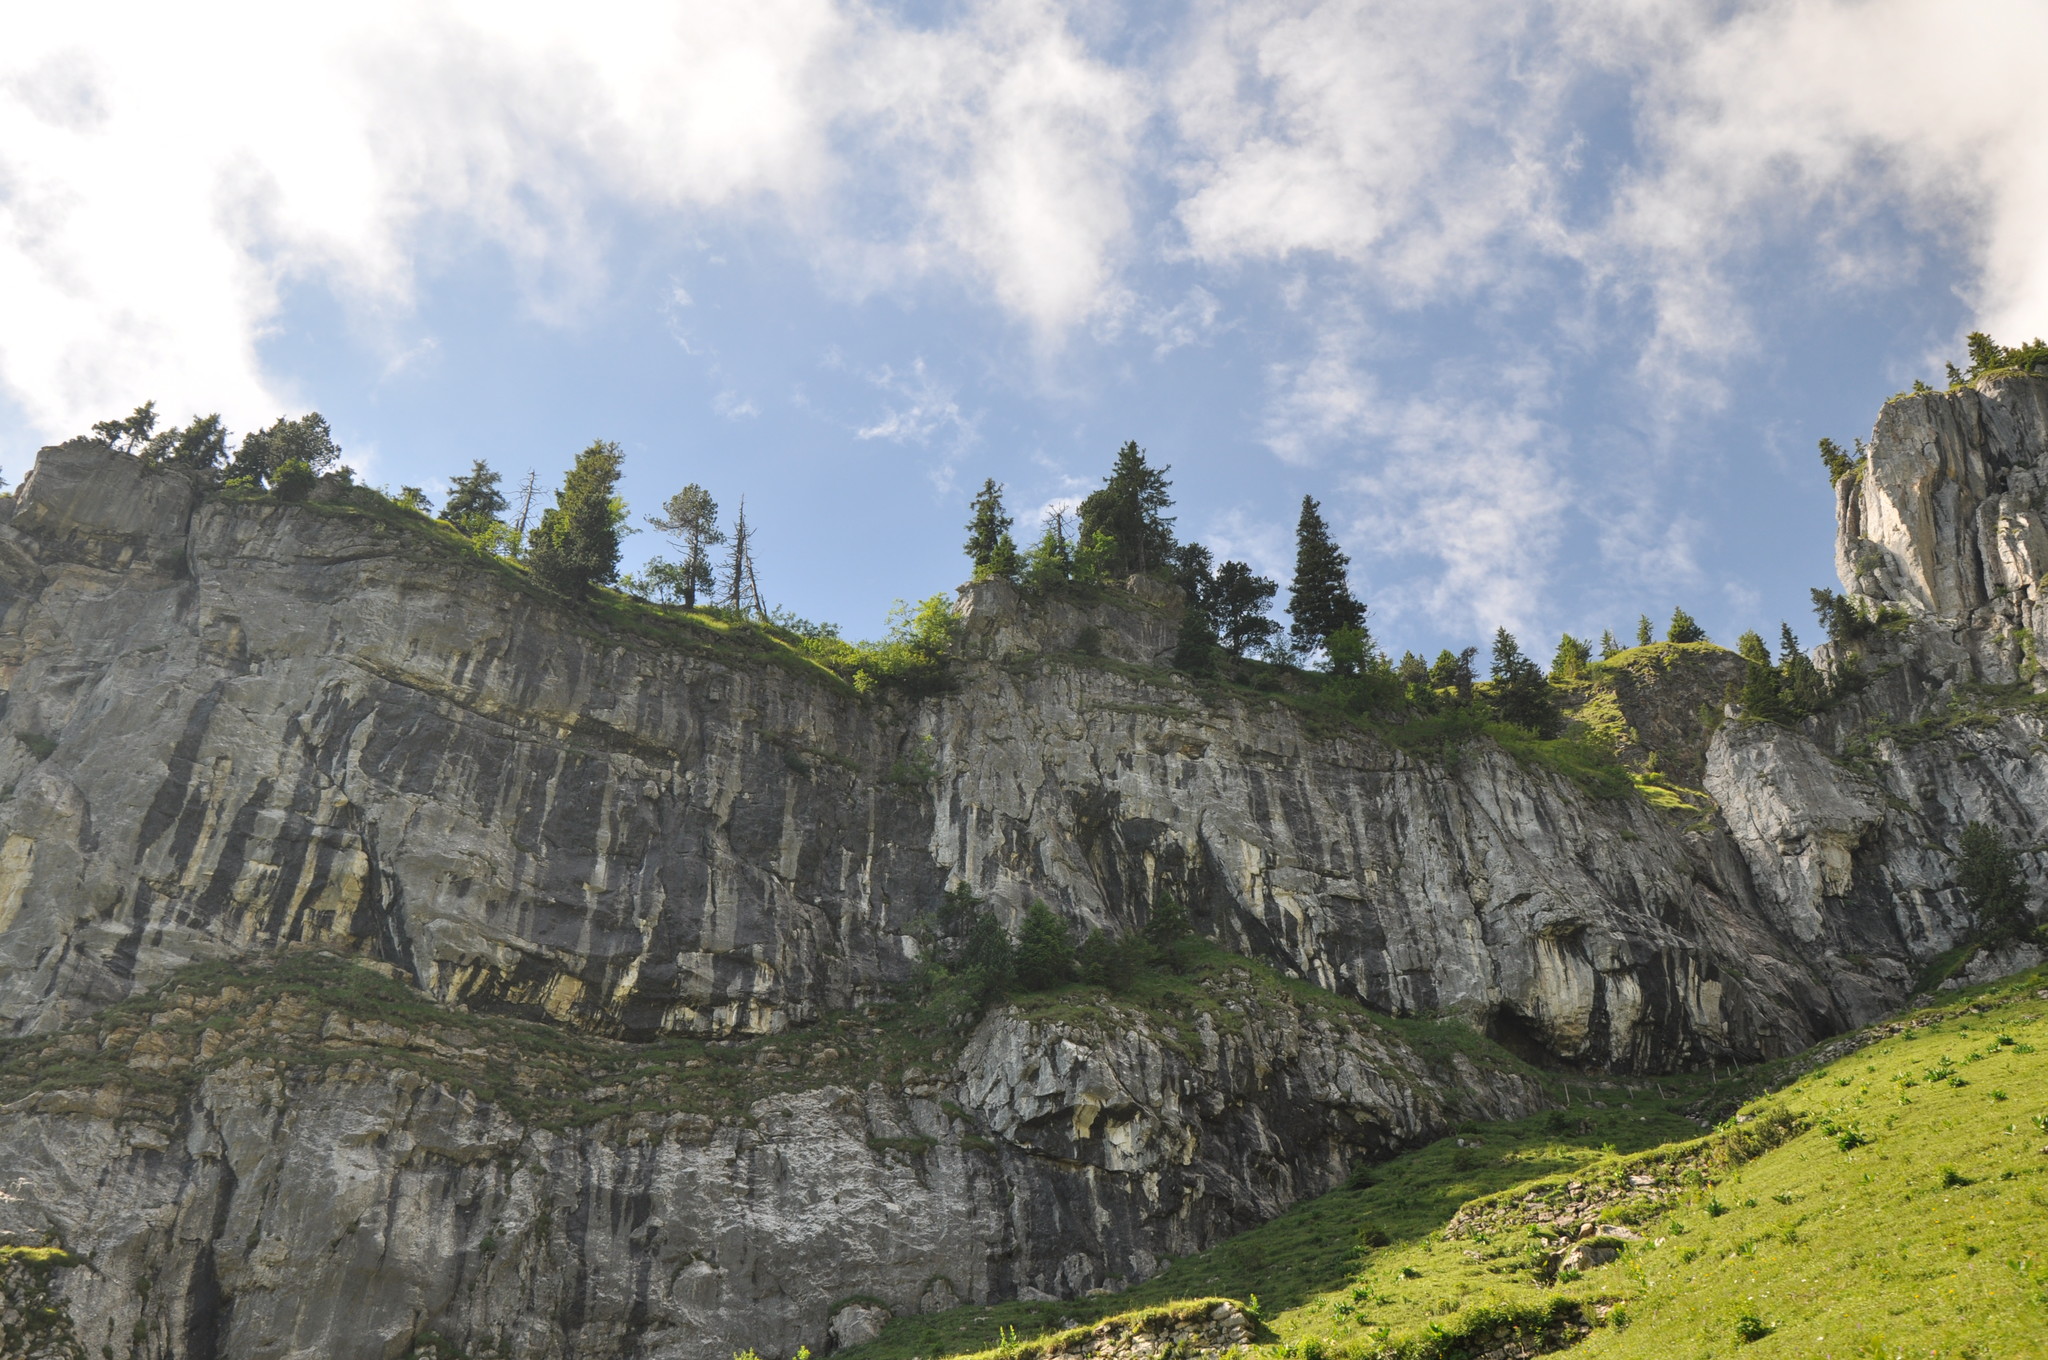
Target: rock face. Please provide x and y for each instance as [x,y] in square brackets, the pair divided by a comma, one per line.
[232,729]
[1852,824]
[323,1185]
[240,725]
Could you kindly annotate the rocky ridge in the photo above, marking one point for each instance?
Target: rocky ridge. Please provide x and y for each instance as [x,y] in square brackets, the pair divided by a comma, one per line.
[239,730]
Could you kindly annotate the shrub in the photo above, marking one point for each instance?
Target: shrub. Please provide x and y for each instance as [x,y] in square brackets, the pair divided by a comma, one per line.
[1988,872]
[1749,1327]
[1044,956]
[1109,961]
[293,479]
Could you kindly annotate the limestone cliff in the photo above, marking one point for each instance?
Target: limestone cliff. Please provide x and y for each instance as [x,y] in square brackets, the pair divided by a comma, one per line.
[593,862]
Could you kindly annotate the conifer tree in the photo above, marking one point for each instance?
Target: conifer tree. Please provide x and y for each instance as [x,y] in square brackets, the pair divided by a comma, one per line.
[1684,629]
[474,500]
[1573,660]
[1320,602]
[1454,671]
[1608,646]
[308,439]
[130,434]
[742,590]
[1988,873]
[576,545]
[1645,631]
[1520,694]
[1045,950]
[1799,680]
[528,489]
[690,519]
[1759,694]
[1130,508]
[989,545]
[1238,608]
[1051,562]
[201,445]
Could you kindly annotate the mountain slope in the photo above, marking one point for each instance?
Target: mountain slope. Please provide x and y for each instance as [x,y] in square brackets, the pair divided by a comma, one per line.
[1890,1202]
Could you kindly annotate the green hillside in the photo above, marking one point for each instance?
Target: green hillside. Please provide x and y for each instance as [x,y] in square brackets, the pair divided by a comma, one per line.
[1891,1202]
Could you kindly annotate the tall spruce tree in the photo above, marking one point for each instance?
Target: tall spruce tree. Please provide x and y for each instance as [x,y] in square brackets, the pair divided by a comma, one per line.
[1646,632]
[1684,628]
[989,545]
[690,519]
[1520,693]
[1130,508]
[475,501]
[576,545]
[1051,562]
[1320,602]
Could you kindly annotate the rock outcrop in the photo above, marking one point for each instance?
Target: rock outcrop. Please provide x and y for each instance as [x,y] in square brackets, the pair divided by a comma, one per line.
[233,731]
[274,1167]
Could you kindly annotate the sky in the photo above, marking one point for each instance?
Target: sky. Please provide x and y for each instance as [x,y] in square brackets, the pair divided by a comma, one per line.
[1547,304]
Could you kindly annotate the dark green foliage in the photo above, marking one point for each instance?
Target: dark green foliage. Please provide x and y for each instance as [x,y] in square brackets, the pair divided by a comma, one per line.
[1349,650]
[1050,563]
[1454,671]
[1838,463]
[1608,646]
[1684,628]
[1799,680]
[1194,647]
[1238,609]
[474,500]
[294,480]
[1168,924]
[202,445]
[130,434]
[1130,508]
[989,545]
[1194,571]
[307,439]
[412,498]
[1110,962]
[576,545]
[1044,956]
[1573,660]
[1988,356]
[1846,621]
[1749,1327]
[1320,601]
[1520,694]
[690,519]
[987,963]
[1988,872]
[1645,632]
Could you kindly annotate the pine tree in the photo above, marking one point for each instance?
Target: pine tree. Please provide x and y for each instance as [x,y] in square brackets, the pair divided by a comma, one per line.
[201,445]
[1320,602]
[1759,695]
[1799,680]
[130,434]
[1573,660]
[1130,508]
[1608,646]
[988,535]
[576,545]
[308,439]
[1045,950]
[1453,671]
[474,501]
[1238,608]
[1988,873]
[742,591]
[1684,629]
[528,489]
[1520,694]
[1645,631]
[1051,562]
[690,519]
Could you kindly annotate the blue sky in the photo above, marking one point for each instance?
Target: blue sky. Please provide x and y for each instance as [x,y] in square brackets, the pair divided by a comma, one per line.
[1548,308]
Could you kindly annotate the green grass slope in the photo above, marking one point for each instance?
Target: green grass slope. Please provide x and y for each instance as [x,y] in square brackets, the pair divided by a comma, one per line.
[1891,1202]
